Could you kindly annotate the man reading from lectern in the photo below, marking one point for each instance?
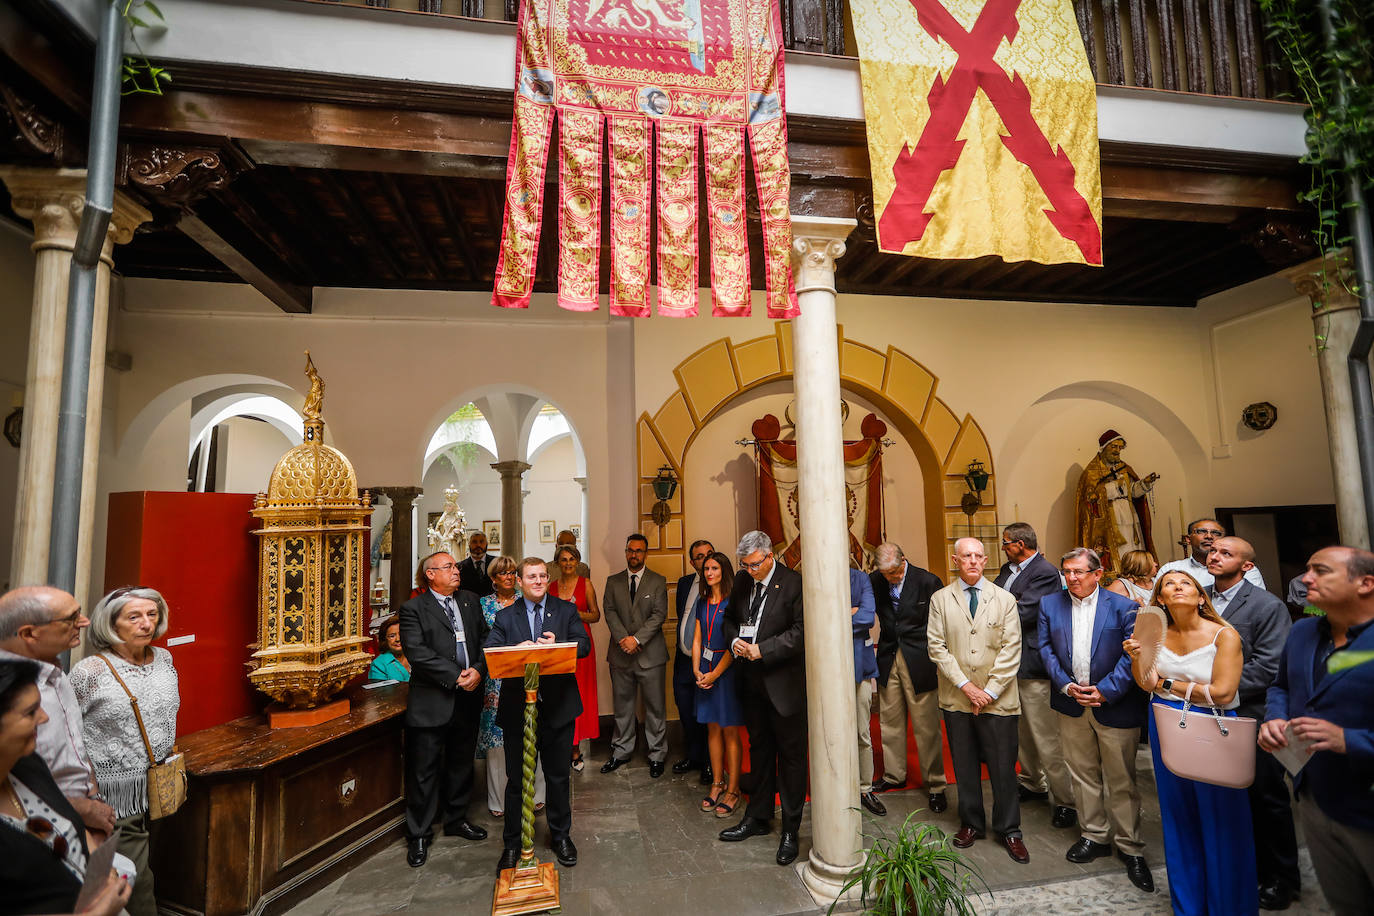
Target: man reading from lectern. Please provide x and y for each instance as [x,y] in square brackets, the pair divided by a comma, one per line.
[538,618]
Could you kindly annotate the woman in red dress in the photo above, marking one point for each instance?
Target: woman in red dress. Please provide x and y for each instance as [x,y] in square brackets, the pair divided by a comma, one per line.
[579,590]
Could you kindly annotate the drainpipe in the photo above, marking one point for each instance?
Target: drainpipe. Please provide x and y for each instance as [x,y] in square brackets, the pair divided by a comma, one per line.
[76,356]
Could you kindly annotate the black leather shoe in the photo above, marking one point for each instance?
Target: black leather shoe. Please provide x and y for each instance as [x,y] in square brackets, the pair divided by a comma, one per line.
[885,786]
[615,763]
[1027,795]
[871,802]
[509,859]
[564,851]
[655,768]
[1138,871]
[1085,850]
[685,766]
[466,829]
[937,803]
[1276,895]
[417,851]
[787,849]
[1064,817]
[707,777]
[744,830]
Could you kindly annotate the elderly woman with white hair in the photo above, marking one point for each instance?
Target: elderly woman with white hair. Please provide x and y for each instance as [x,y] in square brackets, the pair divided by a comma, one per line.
[121,665]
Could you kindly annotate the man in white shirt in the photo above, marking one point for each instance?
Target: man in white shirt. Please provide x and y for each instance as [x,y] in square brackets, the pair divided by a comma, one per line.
[40,623]
[1202,534]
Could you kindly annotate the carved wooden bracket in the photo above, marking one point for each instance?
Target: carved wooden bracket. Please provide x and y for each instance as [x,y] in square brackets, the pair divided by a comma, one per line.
[36,131]
[1282,243]
[173,177]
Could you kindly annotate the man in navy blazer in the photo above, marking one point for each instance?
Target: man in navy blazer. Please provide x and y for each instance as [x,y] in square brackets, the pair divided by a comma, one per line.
[862,616]
[1320,699]
[539,618]
[1100,710]
[1029,577]
[694,755]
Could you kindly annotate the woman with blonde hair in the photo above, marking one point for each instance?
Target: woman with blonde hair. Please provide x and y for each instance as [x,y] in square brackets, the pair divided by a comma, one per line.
[1209,845]
[1137,576]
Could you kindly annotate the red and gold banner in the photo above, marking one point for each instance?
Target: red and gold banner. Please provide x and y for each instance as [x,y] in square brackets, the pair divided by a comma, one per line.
[651,93]
[982,129]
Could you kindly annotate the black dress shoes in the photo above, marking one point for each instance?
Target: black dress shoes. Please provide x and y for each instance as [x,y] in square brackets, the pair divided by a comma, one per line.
[1139,872]
[707,777]
[467,830]
[885,786]
[564,851]
[1276,895]
[509,859]
[655,768]
[1028,795]
[787,849]
[685,766]
[1064,817]
[615,763]
[1085,850]
[417,851]
[871,802]
[744,830]
[937,803]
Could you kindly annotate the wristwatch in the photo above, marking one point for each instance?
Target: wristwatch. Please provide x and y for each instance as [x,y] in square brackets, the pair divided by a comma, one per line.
[1167,684]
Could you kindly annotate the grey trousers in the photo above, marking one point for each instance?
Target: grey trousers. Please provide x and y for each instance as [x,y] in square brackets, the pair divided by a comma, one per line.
[1343,857]
[626,683]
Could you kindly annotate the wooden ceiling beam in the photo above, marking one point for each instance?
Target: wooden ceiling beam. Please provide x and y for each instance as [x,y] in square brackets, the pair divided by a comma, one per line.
[285,294]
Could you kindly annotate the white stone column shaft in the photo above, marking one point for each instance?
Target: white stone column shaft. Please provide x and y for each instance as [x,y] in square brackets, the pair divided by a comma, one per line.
[512,507]
[837,843]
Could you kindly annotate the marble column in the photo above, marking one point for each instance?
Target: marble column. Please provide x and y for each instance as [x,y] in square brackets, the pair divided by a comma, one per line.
[402,541]
[837,843]
[53,199]
[1335,316]
[512,507]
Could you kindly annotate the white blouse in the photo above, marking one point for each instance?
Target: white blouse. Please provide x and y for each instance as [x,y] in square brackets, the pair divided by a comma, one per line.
[1194,667]
[112,736]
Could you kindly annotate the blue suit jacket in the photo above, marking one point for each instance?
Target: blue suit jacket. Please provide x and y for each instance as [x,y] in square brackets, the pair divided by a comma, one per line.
[861,596]
[559,702]
[1124,704]
[1338,783]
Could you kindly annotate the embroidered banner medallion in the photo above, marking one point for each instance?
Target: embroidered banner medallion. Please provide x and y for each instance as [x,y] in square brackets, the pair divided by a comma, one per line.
[653,92]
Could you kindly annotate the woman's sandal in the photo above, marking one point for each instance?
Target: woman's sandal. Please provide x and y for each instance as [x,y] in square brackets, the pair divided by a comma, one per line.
[723,809]
[708,803]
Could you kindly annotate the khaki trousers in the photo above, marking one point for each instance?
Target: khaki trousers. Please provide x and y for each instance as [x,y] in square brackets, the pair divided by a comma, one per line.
[133,842]
[863,712]
[1041,756]
[1101,762]
[1343,857]
[898,701]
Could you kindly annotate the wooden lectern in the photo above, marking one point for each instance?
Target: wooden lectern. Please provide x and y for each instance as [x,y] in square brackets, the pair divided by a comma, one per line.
[530,887]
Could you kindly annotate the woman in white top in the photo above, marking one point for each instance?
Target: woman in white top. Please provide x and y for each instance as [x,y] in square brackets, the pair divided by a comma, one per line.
[119,642]
[1137,578]
[1209,844]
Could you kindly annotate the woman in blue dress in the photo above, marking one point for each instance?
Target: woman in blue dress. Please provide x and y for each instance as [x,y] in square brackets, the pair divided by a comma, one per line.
[717,702]
[390,663]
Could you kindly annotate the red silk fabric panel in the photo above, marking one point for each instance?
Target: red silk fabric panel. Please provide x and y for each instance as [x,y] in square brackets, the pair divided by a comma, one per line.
[679,270]
[629,149]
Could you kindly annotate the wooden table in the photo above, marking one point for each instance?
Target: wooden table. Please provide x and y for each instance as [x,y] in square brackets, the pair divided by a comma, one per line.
[273,816]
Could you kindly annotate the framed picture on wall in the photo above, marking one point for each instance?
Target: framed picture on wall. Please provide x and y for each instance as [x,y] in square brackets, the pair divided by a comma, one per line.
[492,529]
[576,532]
[547,532]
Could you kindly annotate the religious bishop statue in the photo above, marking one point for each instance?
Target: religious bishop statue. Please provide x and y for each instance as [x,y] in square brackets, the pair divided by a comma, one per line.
[1111,505]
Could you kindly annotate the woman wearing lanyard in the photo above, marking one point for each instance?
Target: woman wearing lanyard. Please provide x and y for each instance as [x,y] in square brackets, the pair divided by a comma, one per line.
[717,703]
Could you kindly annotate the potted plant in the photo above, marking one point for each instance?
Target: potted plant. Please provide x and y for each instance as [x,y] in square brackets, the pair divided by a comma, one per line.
[915,872]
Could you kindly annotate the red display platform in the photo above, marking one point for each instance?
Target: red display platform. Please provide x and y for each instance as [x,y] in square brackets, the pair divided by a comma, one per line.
[198,550]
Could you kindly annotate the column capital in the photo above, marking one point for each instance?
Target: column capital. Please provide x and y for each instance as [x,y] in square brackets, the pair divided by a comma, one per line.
[1325,282]
[400,495]
[817,242]
[53,200]
[511,468]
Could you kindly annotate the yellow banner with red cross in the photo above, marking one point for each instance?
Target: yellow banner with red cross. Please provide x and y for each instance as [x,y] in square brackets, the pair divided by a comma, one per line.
[982,129]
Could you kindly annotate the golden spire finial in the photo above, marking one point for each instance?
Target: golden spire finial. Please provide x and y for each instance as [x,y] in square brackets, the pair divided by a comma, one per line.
[314,401]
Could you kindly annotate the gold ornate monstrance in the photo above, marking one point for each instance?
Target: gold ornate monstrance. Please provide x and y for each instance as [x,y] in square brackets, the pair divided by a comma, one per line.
[312,574]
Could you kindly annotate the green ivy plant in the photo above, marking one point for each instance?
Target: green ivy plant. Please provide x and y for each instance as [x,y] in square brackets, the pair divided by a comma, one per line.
[915,872]
[1337,83]
[141,75]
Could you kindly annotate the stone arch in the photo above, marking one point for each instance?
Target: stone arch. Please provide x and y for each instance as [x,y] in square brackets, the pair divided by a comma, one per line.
[723,370]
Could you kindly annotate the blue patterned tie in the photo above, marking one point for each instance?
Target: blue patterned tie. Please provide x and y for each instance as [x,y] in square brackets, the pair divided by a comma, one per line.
[538,621]
[453,622]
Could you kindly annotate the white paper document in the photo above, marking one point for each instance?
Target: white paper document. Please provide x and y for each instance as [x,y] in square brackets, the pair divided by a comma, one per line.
[1295,756]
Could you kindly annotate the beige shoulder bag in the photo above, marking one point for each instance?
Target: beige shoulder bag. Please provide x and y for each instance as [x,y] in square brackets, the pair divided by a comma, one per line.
[166,780]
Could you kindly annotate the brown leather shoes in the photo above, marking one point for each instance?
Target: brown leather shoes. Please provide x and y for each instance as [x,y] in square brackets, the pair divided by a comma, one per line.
[965,837]
[1016,849]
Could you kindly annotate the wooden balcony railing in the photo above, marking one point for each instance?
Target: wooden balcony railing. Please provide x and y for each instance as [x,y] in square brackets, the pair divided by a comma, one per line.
[1213,47]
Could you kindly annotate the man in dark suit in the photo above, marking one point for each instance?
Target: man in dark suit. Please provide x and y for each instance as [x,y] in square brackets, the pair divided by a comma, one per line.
[907,679]
[538,618]
[636,605]
[763,623]
[1263,623]
[1320,702]
[1030,577]
[473,569]
[1100,710]
[684,682]
[442,631]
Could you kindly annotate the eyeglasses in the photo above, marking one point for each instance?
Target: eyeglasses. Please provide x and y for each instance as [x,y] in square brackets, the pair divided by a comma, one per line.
[754,566]
[446,566]
[70,620]
[1076,573]
[1214,532]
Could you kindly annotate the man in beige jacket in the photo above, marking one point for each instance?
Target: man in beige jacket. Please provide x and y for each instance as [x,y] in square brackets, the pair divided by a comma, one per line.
[975,642]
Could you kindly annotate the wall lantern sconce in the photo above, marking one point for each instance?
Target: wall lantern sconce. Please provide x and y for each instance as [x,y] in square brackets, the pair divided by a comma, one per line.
[14,426]
[976,477]
[665,485]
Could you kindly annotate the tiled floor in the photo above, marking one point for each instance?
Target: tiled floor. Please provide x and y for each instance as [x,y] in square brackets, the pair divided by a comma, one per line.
[644,848]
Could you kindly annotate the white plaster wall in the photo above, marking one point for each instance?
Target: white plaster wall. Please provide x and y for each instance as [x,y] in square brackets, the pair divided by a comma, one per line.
[249,451]
[16,307]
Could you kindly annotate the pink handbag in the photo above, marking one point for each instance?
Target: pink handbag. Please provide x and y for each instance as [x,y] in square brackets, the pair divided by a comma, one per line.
[1215,749]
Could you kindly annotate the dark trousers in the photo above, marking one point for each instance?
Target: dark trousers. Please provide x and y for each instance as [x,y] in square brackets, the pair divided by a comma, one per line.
[685,695]
[551,744]
[989,739]
[439,768]
[777,760]
[1276,842]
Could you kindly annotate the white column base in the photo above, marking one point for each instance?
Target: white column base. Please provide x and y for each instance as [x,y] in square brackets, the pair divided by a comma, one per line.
[825,882]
